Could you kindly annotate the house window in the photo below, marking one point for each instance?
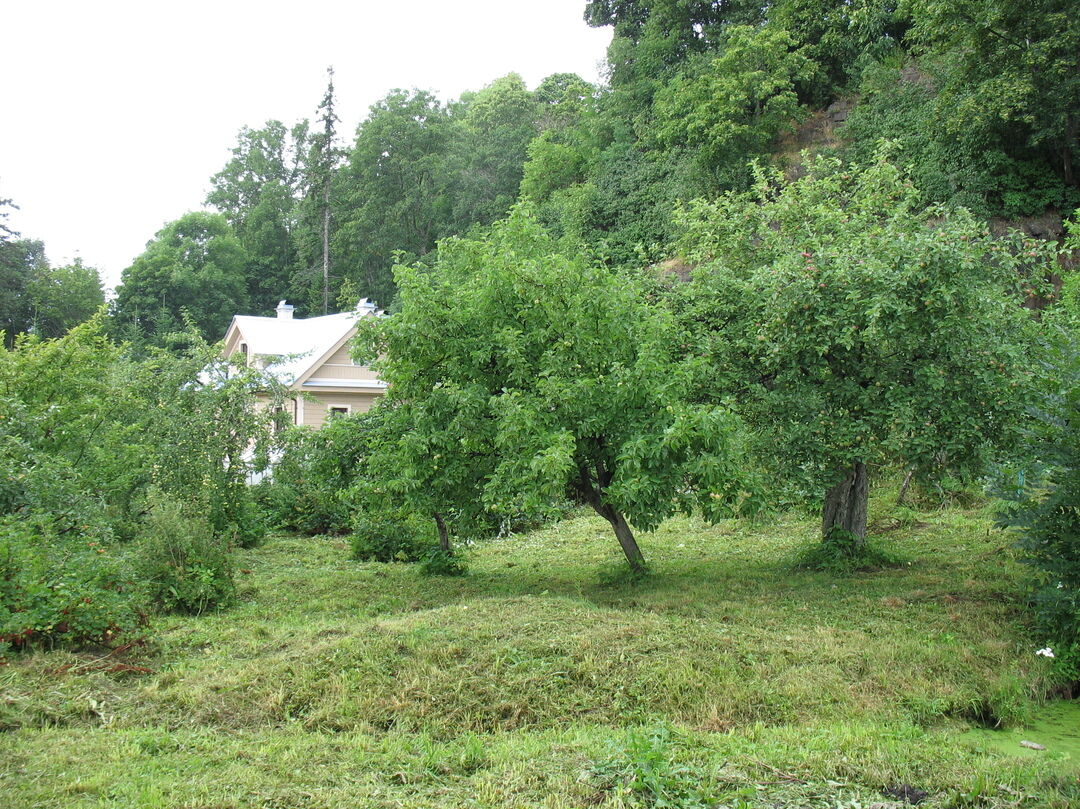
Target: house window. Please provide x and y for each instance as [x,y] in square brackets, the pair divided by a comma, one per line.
[244,351]
[333,411]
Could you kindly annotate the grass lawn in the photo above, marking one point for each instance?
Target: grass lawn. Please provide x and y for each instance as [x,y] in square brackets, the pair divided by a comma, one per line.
[546,677]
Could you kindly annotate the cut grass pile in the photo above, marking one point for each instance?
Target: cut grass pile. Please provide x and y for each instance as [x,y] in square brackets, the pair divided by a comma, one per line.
[547,678]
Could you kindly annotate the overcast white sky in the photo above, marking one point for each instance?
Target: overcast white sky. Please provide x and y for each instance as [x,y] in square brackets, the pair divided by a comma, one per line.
[116,113]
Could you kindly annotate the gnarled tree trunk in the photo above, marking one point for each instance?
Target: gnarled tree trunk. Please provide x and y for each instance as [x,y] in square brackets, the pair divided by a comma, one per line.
[845,505]
[444,534]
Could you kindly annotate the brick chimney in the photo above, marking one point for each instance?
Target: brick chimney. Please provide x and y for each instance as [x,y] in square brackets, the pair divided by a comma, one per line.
[284,310]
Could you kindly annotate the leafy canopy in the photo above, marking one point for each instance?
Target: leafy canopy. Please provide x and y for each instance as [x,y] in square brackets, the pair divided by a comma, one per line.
[194,265]
[529,373]
[852,325]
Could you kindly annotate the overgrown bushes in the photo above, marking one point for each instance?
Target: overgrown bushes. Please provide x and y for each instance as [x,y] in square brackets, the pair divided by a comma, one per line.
[390,536]
[182,565]
[1046,506]
[116,466]
[56,589]
[306,491]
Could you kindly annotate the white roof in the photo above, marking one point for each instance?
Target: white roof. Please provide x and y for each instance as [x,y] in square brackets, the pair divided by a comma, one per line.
[289,346]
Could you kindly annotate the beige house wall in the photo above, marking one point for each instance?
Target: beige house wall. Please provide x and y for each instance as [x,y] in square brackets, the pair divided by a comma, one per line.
[340,366]
[333,383]
[312,408]
[316,405]
[340,357]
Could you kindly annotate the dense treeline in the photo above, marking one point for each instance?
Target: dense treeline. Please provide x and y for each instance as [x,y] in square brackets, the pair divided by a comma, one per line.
[978,99]
[36,296]
[418,170]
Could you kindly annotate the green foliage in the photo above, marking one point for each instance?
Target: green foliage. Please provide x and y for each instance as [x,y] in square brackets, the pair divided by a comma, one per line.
[520,372]
[389,188]
[1045,503]
[63,297]
[849,324]
[1007,70]
[37,297]
[733,106]
[421,170]
[66,438]
[194,265]
[439,562]
[18,260]
[86,429]
[390,536]
[844,552]
[59,588]
[979,97]
[641,769]
[566,151]
[313,470]
[258,190]
[180,563]
[624,212]
[485,159]
[976,167]
[655,37]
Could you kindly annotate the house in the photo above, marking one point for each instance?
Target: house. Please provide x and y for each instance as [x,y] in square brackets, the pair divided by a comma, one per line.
[310,356]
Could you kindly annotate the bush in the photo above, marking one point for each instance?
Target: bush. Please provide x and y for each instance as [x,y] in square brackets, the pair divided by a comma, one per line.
[390,536]
[183,566]
[442,563]
[54,588]
[304,493]
[298,507]
[1046,507]
[843,552]
[248,527]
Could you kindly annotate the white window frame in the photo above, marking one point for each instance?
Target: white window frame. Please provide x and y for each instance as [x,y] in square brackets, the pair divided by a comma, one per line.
[333,410]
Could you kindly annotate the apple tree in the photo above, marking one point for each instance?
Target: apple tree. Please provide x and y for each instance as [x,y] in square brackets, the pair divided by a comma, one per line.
[535,374]
[855,328]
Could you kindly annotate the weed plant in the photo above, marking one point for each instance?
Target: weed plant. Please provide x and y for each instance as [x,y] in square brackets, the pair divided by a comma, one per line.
[57,588]
[182,564]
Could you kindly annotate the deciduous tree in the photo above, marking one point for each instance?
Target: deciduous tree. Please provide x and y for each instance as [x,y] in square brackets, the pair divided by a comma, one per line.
[532,374]
[854,328]
[195,265]
[259,190]
[390,189]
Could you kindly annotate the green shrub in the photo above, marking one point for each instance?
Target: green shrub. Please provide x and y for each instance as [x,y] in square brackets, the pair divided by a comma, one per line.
[248,527]
[298,507]
[1046,506]
[843,552]
[442,563]
[390,536]
[316,467]
[183,566]
[61,589]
